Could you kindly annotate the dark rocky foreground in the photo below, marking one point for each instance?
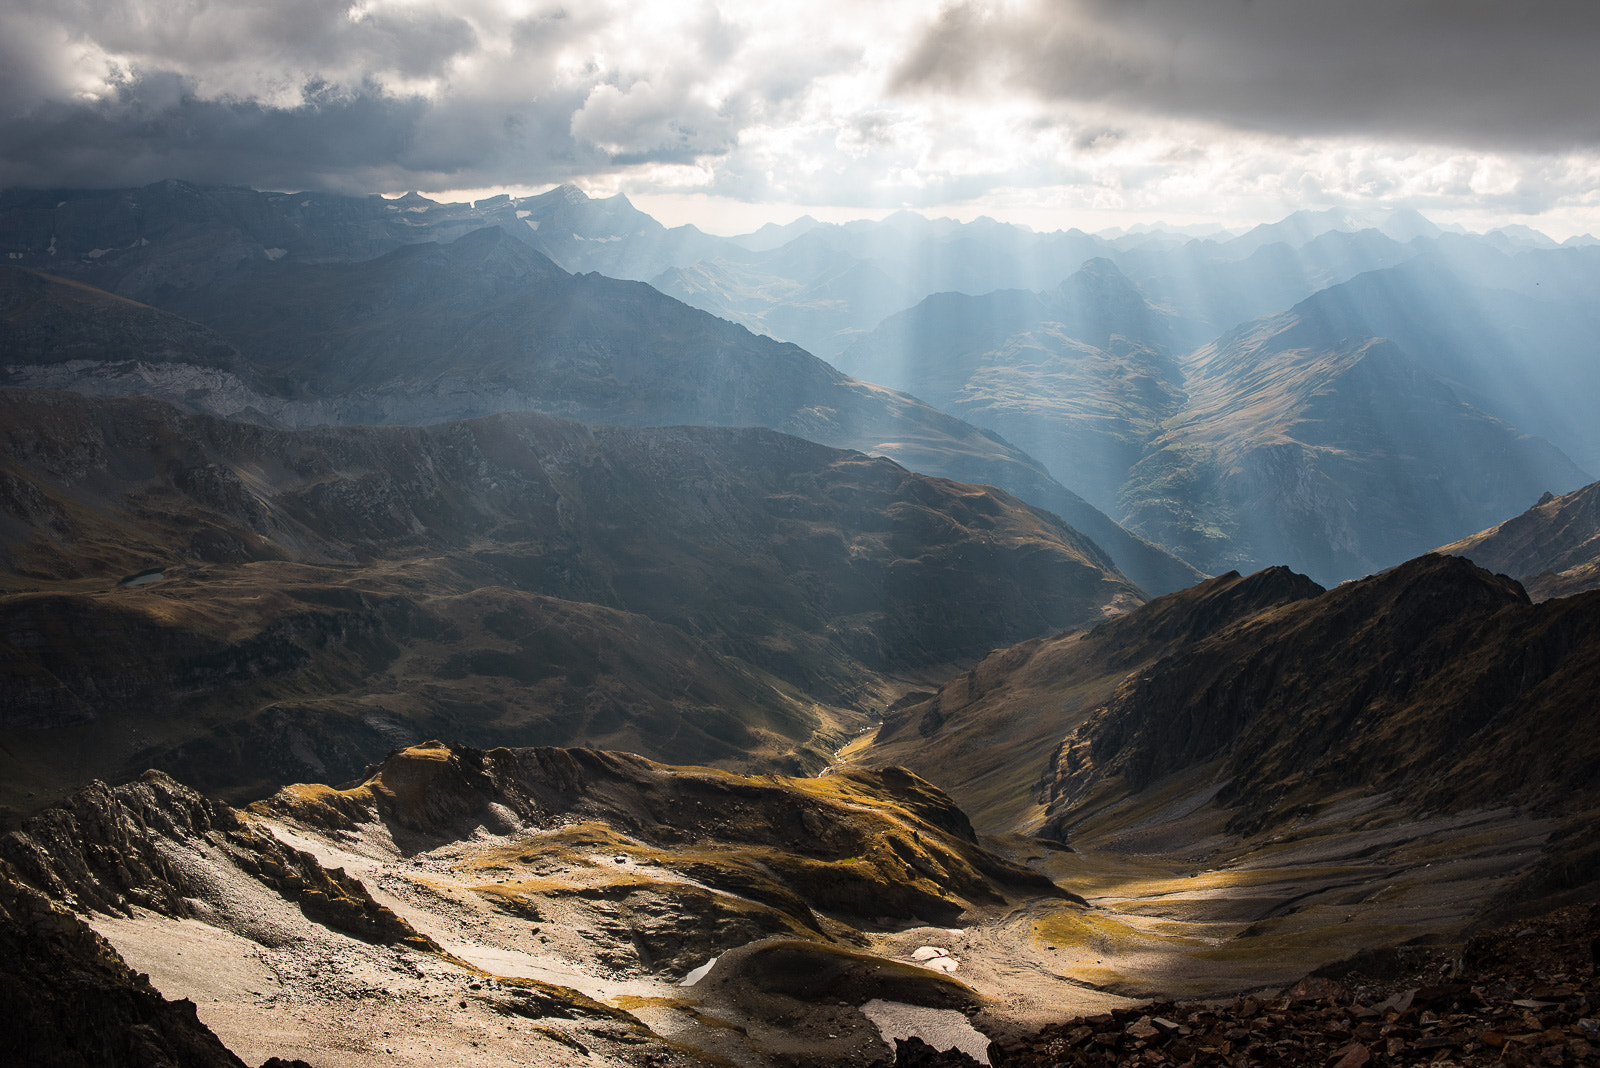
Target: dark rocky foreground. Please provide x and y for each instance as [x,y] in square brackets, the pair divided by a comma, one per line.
[68,1000]
[1525,993]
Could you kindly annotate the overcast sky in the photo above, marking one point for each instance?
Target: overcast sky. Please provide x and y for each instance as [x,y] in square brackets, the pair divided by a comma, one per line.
[1051,112]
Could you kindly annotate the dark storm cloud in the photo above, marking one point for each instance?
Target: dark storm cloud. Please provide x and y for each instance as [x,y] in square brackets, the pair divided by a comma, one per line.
[357,140]
[1484,74]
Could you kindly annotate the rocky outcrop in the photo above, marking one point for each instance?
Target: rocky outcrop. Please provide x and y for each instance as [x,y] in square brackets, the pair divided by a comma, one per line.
[1522,994]
[111,849]
[68,1000]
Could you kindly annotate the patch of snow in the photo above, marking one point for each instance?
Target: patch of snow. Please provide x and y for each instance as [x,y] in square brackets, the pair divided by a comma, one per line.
[524,214]
[533,224]
[96,253]
[943,1029]
[14,255]
[698,973]
[62,204]
[277,253]
[52,249]
[143,241]
[928,953]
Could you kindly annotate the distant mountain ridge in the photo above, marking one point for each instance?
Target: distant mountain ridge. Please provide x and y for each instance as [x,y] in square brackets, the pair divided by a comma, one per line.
[1096,357]
[1337,437]
[1079,376]
[487,324]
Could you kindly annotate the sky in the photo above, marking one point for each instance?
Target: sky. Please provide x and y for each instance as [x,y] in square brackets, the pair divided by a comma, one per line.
[1052,113]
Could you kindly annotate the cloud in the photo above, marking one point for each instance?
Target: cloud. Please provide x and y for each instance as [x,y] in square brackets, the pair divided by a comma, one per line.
[1240,109]
[1475,73]
[378,94]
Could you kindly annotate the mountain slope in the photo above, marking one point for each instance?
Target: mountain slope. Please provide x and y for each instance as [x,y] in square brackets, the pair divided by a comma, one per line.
[1080,376]
[60,334]
[582,908]
[990,734]
[1435,682]
[486,324]
[1513,331]
[1336,453]
[1553,548]
[703,594]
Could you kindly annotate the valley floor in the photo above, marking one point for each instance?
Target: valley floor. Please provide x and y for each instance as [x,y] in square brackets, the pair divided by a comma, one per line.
[1175,910]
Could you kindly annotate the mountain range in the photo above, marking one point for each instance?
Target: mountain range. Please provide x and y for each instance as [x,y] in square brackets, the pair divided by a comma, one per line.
[1495,325]
[1352,431]
[536,666]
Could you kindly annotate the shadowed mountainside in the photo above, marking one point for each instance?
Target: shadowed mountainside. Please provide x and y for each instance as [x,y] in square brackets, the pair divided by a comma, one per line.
[989,734]
[314,596]
[1436,682]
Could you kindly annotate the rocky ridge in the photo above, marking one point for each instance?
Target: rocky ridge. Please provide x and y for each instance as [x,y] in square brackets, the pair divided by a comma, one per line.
[526,866]
[69,1000]
[1435,680]
[862,843]
[1553,548]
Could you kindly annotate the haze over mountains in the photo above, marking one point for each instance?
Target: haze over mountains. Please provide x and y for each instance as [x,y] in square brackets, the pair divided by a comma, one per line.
[1120,366]
[430,528]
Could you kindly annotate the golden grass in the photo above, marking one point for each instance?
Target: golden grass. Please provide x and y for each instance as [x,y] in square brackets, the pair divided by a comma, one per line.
[1104,934]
